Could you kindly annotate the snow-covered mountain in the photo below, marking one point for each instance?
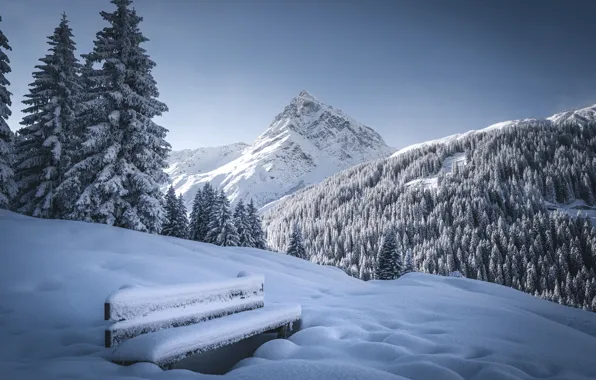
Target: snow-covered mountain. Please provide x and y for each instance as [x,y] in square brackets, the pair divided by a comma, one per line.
[307,142]
[579,116]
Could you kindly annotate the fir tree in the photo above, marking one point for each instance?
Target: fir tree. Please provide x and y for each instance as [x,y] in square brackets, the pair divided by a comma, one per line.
[243,226]
[181,218]
[388,265]
[169,227]
[254,220]
[194,230]
[48,125]
[222,231]
[8,187]
[296,246]
[125,151]
[209,201]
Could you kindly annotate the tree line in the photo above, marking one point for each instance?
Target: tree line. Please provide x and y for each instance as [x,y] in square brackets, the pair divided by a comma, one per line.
[506,216]
[212,220]
[88,148]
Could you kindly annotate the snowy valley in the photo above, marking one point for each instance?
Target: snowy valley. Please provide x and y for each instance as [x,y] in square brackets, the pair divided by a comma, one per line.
[306,143]
[418,327]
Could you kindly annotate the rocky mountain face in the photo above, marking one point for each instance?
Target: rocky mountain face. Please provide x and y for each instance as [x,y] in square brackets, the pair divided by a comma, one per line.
[307,142]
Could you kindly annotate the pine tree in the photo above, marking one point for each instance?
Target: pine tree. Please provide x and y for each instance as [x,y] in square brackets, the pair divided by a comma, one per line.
[222,231]
[243,226]
[169,227]
[256,227]
[408,263]
[194,230]
[125,151]
[8,187]
[208,203]
[296,245]
[50,116]
[388,266]
[181,218]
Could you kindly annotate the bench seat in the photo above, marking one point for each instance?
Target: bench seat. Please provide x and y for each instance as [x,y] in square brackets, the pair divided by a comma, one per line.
[168,346]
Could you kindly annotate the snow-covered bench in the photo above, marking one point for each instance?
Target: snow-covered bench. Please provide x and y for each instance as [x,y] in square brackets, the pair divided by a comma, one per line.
[163,325]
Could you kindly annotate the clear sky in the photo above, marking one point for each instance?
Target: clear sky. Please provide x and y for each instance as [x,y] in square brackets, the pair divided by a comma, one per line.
[413,70]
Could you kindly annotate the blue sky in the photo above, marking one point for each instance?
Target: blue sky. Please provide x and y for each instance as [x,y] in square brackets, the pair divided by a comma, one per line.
[412,70]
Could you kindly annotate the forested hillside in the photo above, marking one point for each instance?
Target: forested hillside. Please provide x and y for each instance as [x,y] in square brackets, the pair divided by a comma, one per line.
[487,217]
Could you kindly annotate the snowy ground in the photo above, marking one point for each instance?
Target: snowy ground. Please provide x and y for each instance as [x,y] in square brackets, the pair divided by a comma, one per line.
[455,160]
[577,207]
[55,276]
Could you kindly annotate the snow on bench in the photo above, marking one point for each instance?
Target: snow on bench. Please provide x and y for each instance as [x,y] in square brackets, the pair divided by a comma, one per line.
[165,324]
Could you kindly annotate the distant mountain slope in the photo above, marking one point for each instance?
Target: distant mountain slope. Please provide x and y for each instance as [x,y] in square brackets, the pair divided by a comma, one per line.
[56,274]
[578,116]
[307,142]
[494,204]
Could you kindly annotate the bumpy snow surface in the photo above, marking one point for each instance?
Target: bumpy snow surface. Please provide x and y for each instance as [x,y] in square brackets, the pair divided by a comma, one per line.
[306,143]
[55,276]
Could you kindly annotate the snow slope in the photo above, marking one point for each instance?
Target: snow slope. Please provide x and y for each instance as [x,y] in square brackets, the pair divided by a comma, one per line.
[431,182]
[580,116]
[55,276]
[187,162]
[304,144]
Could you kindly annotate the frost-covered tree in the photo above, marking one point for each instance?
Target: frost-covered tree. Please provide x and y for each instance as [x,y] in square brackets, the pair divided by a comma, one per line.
[254,220]
[221,226]
[182,218]
[48,126]
[194,230]
[296,245]
[209,201]
[168,227]
[243,226]
[408,263]
[8,186]
[124,151]
[388,263]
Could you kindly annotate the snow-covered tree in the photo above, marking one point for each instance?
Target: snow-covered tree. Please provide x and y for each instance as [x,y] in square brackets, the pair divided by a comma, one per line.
[124,150]
[182,218]
[8,186]
[243,226]
[296,245]
[388,264]
[221,226]
[168,227]
[50,115]
[194,228]
[254,220]
[208,201]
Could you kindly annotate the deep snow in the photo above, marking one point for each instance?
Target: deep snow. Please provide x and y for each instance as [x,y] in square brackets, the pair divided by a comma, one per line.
[55,276]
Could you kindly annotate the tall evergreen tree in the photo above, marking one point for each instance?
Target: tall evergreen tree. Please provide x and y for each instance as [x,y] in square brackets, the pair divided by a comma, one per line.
[208,202]
[296,245]
[50,117]
[256,227]
[194,231]
[221,226]
[169,226]
[243,226]
[182,218]
[388,263]
[8,187]
[125,151]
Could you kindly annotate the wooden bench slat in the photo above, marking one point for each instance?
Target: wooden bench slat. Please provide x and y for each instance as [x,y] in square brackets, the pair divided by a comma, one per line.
[130,303]
[170,318]
[171,345]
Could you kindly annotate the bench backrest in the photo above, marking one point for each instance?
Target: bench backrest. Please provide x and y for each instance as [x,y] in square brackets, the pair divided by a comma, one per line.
[139,310]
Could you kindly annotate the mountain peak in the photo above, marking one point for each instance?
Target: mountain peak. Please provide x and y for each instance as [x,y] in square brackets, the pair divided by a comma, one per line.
[306,95]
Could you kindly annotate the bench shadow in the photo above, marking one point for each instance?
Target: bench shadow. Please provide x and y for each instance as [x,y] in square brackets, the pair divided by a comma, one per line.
[223,359]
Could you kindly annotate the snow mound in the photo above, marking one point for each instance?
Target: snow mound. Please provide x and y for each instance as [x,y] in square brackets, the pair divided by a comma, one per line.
[55,276]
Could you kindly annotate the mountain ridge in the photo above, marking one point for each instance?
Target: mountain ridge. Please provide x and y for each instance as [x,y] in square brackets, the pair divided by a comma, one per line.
[305,143]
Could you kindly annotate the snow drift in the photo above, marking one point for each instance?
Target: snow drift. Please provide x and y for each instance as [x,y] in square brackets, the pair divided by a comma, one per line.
[55,276]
